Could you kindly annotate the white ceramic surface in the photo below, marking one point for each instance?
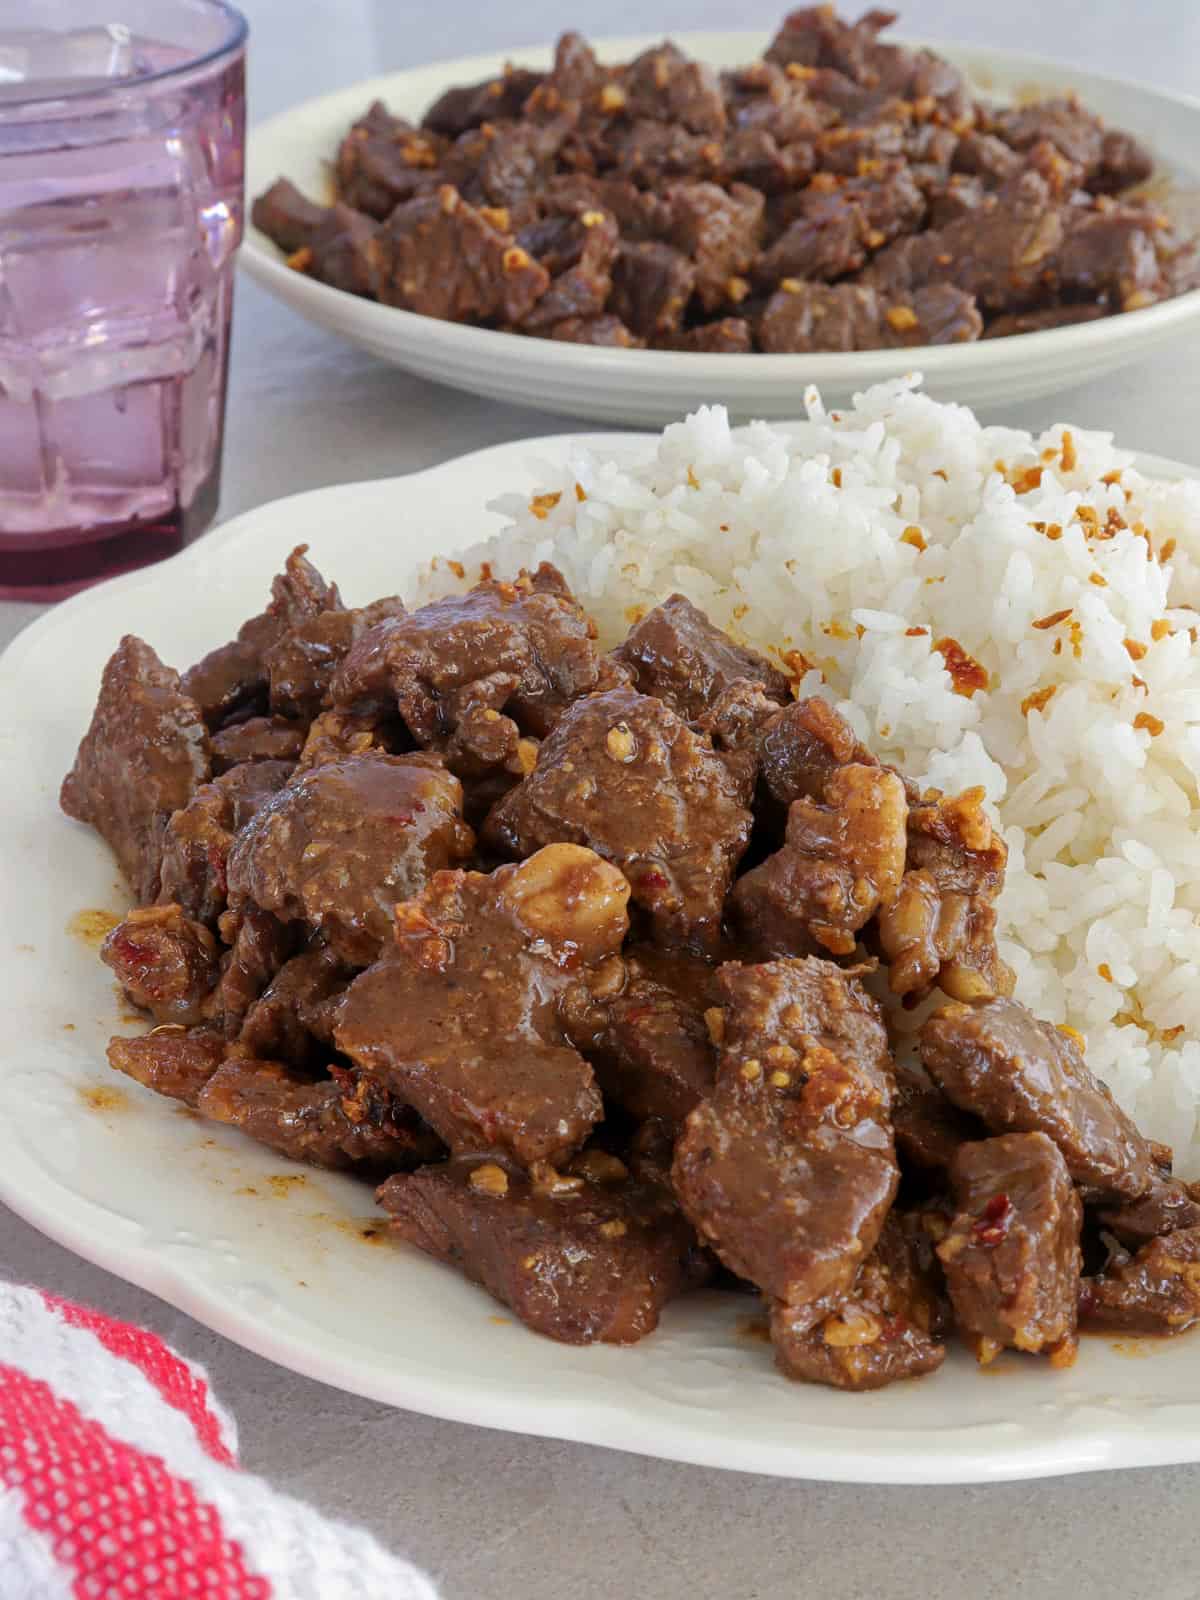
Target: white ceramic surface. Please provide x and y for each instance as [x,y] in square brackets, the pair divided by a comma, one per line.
[273,1256]
[652,386]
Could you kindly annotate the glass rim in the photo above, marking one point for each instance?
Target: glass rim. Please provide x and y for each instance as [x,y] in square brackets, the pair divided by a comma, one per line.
[238,30]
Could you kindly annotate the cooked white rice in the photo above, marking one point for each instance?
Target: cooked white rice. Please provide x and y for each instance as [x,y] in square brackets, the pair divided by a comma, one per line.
[795,539]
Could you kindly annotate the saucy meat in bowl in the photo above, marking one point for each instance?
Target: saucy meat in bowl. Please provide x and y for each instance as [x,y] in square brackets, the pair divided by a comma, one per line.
[843,193]
[581,955]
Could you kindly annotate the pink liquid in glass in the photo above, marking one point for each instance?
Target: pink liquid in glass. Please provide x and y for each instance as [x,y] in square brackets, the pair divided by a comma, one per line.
[120,213]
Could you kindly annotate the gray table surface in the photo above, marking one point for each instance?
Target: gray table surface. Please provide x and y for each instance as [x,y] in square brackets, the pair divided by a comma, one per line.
[492,1515]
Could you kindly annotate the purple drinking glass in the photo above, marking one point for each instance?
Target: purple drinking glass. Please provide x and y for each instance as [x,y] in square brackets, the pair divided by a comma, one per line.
[121,193]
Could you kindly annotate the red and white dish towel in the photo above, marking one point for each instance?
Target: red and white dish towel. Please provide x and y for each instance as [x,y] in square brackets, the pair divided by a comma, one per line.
[119,1480]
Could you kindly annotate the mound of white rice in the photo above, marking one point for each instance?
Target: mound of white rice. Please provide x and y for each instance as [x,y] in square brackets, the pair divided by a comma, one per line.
[863,539]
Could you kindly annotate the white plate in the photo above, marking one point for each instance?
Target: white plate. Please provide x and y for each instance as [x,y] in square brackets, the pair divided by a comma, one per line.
[271,1255]
[656,386]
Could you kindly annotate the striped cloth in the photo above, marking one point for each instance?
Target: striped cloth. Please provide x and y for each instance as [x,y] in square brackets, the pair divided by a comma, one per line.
[119,1480]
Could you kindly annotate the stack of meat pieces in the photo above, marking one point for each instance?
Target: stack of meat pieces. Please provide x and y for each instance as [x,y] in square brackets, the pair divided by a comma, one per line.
[843,193]
[572,951]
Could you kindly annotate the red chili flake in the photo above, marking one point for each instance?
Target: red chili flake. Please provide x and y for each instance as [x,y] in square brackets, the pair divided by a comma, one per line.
[655,880]
[994,1221]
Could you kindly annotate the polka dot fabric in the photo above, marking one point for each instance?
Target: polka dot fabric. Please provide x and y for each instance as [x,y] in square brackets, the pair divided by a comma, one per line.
[118,1480]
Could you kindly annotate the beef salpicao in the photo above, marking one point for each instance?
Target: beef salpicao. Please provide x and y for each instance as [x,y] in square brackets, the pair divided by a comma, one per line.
[843,193]
[596,959]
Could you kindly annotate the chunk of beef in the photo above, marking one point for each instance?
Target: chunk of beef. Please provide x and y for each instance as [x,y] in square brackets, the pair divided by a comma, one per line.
[1024,1076]
[650,154]
[295,1014]
[608,332]
[506,165]
[490,101]
[200,835]
[815,36]
[166,963]
[1111,160]
[1011,1255]
[259,944]
[1109,253]
[288,218]
[577,247]
[842,858]
[803,746]
[788,1169]
[662,83]
[144,755]
[344,253]
[726,336]
[274,739]
[652,284]
[346,1123]
[941,926]
[999,254]
[382,162]
[1156,1291]
[832,227]
[300,666]
[623,774]
[1167,1206]
[677,655]
[524,647]
[928,1128]
[234,677]
[576,74]
[642,1026]
[575,1259]
[959,196]
[172,1060]
[719,232]
[458,1017]
[807,317]
[445,259]
[886,1328]
[986,157]
[345,841]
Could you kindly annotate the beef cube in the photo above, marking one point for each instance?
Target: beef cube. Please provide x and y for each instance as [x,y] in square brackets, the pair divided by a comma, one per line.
[885,1330]
[1011,1255]
[234,678]
[458,1018]
[1167,1206]
[607,331]
[525,648]
[803,317]
[652,284]
[816,37]
[200,835]
[166,963]
[384,161]
[1110,160]
[445,259]
[624,775]
[490,101]
[173,1061]
[999,253]
[719,232]
[259,944]
[345,841]
[286,216]
[663,84]
[941,926]
[575,1259]
[958,197]
[506,165]
[642,1028]
[274,739]
[143,756]
[576,74]
[295,1014]
[728,336]
[1024,1076]
[300,666]
[1156,1291]
[803,746]
[827,239]
[346,1123]
[577,249]
[788,1169]
[1110,253]
[1040,321]
[1124,161]
[677,655]
[344,253]
[843,858]
[986,157]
